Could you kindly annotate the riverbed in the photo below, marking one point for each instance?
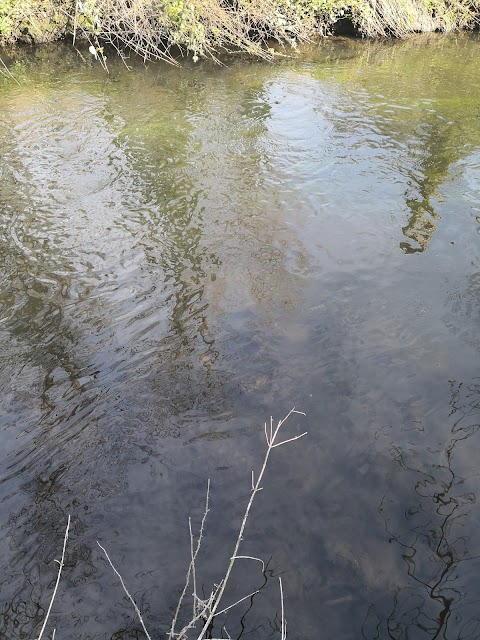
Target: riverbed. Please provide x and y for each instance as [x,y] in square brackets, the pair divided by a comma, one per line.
[188,251]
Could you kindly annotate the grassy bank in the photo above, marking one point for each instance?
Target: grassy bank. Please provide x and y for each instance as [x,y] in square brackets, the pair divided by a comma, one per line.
[153,28]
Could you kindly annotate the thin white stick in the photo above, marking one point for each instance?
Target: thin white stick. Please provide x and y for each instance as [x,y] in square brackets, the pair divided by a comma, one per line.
[137,610]
[283,635]
[251,558]
[53,635]
[6,72]
[270,447]
[201,614]
[192,564]
[279,444]
[237,602]
[190,568]
[75,20]
[58,580]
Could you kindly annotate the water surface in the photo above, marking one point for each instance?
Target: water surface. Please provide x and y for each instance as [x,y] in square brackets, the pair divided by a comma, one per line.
[185,252]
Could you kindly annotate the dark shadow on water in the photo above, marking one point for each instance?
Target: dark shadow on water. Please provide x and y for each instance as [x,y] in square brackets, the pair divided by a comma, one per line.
[436,533]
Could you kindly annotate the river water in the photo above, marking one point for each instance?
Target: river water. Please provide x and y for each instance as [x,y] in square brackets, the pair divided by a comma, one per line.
[187,251]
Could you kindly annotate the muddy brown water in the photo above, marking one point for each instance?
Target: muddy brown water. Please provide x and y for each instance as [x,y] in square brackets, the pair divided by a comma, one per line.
[185,252]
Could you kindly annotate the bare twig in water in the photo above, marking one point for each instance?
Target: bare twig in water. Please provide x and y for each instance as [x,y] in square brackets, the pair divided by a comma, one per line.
[191,569]
[252,558]
[271,434]
[5,71]
[57,582]
[207,610]
[283,634]
[137,610]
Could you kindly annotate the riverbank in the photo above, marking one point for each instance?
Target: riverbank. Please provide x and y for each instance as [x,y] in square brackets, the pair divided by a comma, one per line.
[154,28]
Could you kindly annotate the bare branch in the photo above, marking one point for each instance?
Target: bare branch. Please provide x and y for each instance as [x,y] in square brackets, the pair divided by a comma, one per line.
[283,635]
[202,613]
[252,558]
[271,444]
[5,71]
[57,582]
[137,610]
[237,602]
[192,564]
[279,444]
[191,569]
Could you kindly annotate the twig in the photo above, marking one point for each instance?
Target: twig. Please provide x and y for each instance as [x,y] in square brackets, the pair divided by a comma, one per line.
[6,72]
[271,444]
[252,558]
[279,444]
[283,635]
[254,593]
[57,582]
[191,569]
[137,610]
[192,564]
[75,22]
[207,610]
[207,605]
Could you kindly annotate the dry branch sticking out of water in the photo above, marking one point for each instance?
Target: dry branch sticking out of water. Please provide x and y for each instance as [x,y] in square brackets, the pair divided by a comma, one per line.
[204,610]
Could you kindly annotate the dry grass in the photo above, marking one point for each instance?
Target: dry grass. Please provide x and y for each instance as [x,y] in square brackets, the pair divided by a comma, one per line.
[161,29]
[152,29]
[399,18]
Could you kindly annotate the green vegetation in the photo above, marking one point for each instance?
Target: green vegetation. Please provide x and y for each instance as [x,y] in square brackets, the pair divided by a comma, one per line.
[152,28]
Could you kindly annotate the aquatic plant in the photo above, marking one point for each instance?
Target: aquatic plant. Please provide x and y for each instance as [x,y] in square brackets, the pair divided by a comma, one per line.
[204,610]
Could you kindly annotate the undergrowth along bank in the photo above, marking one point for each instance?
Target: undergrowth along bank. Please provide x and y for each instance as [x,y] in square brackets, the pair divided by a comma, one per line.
[155,28]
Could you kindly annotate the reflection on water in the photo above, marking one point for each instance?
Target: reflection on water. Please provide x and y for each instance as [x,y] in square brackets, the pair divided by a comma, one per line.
[184,252]
[421,226]
[424,109]
[435,534]
[434,170]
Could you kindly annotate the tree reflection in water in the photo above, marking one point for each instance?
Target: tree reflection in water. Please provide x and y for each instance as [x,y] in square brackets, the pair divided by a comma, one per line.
[434,534]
